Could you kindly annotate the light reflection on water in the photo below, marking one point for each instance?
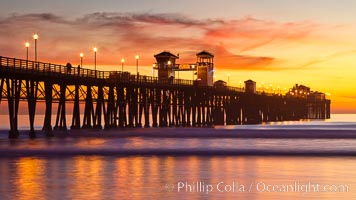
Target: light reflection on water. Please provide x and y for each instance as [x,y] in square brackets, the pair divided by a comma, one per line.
[30,172]
[54,176]
[95,177]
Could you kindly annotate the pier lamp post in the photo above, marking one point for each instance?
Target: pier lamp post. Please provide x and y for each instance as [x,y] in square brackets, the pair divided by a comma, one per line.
[228,79]
[169,63]
[35,37]
[122,64]
[153,69]
[193,67]
[27,45]
[137,57]
[81,59]
[95,50]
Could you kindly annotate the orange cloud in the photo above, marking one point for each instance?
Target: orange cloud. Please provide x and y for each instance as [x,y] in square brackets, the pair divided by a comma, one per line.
[126,34]
[250,33]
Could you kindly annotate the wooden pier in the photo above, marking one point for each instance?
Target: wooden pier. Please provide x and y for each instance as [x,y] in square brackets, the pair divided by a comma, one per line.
[119,99]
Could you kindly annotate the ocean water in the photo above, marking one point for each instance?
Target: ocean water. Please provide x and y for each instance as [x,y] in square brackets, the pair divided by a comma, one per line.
[185,164]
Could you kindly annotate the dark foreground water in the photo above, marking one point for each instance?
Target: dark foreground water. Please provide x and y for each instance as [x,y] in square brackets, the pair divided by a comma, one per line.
[300,160]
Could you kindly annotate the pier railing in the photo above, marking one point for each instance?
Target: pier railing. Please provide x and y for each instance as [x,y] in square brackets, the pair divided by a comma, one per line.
[42,68]
[55,70]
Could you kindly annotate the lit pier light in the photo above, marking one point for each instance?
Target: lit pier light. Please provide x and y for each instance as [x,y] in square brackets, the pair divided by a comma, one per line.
[81,59]
[228,79]
[153,69]
[35,37]
[122,64]
[137,57]
[27,45]
[95,50]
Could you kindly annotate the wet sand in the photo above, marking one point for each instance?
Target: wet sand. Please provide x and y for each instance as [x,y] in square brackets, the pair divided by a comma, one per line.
[200,133]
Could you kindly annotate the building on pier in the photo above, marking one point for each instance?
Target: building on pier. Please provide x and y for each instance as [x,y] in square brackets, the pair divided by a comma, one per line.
[250,86]
[205,68]
[299,91]
[167,66]
[220,84]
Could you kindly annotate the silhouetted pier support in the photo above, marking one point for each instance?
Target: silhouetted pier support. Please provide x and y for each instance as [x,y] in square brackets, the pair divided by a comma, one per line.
[88,109]
[100,108]
[76,110]
[13,98]
[32,89]
[327,104]
[47,125]
[145,107]
[121,101]
[61,123]
[155,101]
[111,113]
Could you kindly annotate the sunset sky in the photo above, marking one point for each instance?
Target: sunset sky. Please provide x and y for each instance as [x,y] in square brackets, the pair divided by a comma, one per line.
[279,42]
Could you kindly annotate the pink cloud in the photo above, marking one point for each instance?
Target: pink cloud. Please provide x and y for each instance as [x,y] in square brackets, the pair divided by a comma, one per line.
[249,33]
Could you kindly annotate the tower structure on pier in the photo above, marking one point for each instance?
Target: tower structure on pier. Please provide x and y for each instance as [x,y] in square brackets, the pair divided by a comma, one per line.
[166,64]
[205,68]
[250,86]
